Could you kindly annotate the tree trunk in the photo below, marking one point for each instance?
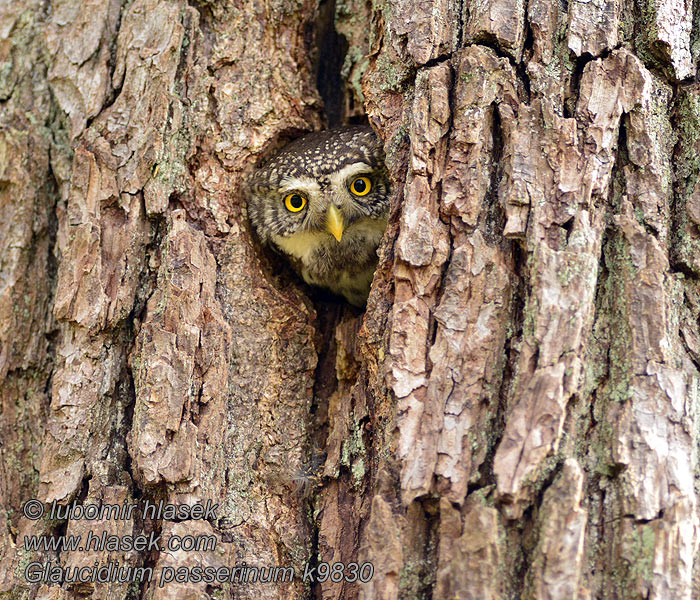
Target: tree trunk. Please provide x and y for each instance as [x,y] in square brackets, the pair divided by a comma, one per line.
[516,413]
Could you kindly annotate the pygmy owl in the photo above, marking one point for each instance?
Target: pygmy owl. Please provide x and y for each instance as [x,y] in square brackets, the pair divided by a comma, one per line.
[323,202]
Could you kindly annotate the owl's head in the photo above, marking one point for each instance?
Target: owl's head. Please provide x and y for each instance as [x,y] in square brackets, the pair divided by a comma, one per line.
[323,183]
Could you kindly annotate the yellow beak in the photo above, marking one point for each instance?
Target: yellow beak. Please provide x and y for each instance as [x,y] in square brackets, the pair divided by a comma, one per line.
[334,222]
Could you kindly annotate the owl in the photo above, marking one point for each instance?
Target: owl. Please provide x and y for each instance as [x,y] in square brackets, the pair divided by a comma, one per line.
[323,202]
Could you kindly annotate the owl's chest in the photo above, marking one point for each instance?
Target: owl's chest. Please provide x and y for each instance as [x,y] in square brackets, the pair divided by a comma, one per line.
[339,266]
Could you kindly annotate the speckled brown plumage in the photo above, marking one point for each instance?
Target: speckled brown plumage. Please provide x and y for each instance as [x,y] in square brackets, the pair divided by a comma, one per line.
[332,241]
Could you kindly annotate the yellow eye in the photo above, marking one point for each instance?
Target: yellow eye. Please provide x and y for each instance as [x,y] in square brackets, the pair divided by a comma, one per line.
[361,186]
[294,202]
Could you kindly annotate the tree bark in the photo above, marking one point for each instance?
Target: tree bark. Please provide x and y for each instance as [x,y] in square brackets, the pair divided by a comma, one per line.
[514,416]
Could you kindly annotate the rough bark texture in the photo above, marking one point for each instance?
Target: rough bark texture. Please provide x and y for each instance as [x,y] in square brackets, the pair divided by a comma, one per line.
[515,415]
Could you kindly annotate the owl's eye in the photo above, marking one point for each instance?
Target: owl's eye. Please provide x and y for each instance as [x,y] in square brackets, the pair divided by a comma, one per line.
[361,186]
[294,202]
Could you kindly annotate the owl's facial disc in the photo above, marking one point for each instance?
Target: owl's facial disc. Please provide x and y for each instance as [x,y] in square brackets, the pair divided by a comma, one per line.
[329,202]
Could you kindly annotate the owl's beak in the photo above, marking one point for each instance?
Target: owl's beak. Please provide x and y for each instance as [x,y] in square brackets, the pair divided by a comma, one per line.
[334,222]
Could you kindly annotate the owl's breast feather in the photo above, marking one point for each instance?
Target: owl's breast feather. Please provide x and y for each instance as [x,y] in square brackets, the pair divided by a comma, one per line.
[345,267]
